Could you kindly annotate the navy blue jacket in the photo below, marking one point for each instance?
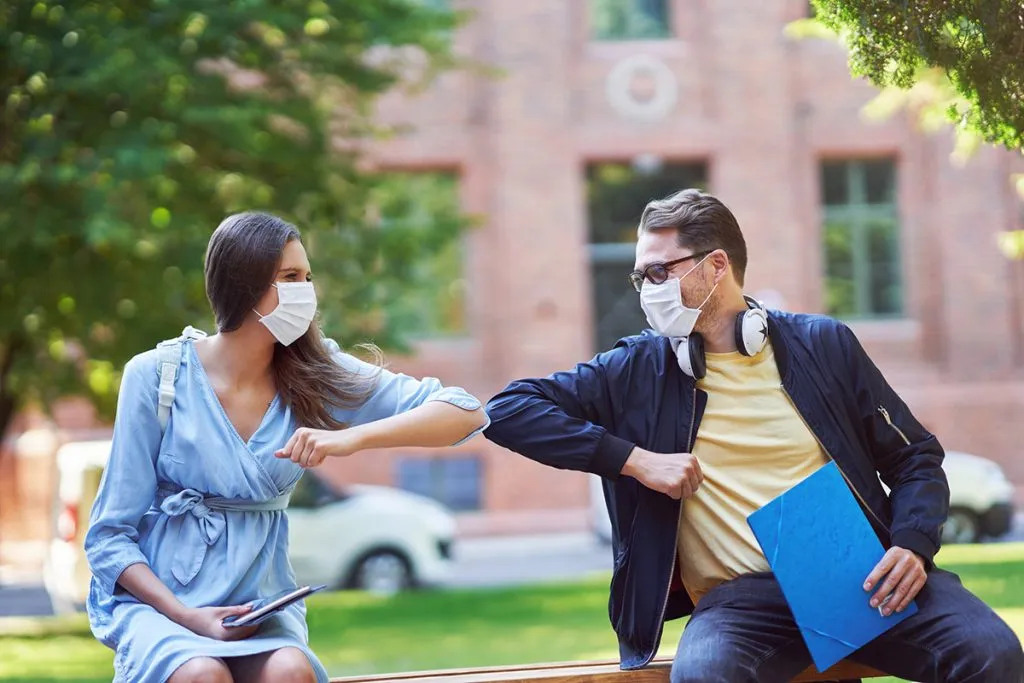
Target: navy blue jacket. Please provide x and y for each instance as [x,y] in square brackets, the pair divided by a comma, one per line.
[590,418]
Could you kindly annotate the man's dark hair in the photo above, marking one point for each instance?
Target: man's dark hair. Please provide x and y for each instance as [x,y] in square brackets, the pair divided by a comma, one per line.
[701,222]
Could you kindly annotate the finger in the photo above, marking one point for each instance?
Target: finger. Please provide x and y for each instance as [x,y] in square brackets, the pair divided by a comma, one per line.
[695,479]
[700,472]
[307,452]
[912,592]
[318,456]
[238,609]
[881,569]
[900,593]
[893,580]
[296,443]
[299,448]
[286,451]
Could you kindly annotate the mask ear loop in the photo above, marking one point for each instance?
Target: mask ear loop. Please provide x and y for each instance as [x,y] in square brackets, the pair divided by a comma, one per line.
[708,297]
[274,285]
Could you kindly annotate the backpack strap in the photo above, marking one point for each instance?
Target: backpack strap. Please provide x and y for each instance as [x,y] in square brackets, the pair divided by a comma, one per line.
[169,354]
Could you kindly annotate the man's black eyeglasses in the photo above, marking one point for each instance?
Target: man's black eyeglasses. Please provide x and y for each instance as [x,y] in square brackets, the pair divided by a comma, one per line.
[657,273]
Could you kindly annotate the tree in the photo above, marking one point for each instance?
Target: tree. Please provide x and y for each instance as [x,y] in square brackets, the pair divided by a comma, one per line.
[977,44]
[130,128]
[959,62]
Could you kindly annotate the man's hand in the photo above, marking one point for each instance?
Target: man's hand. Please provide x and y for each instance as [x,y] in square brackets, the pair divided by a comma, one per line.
[905,576]
[675,474]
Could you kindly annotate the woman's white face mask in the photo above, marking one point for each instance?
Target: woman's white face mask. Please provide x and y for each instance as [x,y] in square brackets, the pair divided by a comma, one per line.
[663,305]
[296,308]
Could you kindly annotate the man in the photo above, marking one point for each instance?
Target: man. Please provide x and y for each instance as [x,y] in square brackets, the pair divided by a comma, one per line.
[687,452]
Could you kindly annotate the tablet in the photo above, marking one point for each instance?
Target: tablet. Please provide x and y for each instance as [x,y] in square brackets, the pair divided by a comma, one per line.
[267,607]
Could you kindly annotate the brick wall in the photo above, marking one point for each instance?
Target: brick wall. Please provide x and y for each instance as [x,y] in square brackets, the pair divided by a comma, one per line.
[762,111]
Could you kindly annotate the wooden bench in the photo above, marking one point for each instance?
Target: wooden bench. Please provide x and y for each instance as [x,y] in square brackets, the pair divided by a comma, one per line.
[582,672]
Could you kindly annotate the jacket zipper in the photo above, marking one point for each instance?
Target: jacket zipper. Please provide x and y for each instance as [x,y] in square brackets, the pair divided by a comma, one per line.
[675,552]
[888,420]
[849,483]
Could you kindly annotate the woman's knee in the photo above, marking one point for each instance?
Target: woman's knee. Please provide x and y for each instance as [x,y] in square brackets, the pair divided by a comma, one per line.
[288,665]
[202,670]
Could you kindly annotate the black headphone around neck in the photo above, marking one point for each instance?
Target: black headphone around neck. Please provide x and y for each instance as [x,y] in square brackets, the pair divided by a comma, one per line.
[751,331]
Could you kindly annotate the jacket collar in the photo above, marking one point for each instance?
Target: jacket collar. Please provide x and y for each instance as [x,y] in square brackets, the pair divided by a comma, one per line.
[776,334]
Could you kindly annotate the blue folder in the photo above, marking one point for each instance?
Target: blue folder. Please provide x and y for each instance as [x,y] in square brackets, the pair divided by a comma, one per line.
[821,548]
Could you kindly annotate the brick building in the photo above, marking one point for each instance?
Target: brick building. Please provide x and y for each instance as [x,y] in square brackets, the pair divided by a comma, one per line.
[603,104]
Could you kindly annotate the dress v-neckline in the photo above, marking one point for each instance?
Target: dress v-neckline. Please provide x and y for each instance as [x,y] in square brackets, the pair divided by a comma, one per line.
[205,378]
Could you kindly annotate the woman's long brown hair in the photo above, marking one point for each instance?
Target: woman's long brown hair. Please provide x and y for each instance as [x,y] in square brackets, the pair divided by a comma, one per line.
[242,259]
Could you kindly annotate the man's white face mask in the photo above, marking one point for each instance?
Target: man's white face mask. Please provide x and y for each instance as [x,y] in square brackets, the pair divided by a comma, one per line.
[663,305]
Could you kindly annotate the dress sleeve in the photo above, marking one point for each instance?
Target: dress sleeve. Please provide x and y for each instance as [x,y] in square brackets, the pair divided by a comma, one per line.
[128,487]
[396,393]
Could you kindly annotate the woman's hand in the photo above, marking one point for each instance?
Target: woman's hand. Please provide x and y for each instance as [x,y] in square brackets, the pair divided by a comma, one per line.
[206,621]
[309,447]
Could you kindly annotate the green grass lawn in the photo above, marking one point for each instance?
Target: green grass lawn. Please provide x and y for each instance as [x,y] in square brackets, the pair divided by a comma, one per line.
[354,633]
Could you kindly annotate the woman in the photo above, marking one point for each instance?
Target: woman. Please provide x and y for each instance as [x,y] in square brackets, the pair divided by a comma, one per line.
[189,525]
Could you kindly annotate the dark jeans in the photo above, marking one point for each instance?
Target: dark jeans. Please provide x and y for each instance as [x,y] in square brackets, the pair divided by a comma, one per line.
[743,632]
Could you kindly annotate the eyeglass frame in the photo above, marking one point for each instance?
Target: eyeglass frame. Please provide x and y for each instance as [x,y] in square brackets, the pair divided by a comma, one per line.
[637,278]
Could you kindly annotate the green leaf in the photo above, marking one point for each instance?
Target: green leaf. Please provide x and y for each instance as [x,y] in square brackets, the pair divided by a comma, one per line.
[130,129]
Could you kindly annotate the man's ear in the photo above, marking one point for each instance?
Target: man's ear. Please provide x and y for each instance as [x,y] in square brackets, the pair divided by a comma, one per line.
[720,262]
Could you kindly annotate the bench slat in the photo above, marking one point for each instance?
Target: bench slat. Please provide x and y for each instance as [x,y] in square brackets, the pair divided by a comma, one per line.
[604,671]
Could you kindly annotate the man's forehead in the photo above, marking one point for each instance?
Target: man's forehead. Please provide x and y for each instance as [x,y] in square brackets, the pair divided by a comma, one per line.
[658,247]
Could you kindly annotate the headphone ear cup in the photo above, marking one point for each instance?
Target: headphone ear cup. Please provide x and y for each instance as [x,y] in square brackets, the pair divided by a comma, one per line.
[683,357]
[741,321]
[751,331]
[698,364]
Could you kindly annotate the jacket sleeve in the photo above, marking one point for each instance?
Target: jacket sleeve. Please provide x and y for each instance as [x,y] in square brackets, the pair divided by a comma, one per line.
[128,486]
[906,455]
[562,420]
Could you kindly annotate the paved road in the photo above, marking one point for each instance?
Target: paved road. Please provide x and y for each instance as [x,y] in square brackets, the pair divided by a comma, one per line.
[478,562]
[24,600]
[528,559]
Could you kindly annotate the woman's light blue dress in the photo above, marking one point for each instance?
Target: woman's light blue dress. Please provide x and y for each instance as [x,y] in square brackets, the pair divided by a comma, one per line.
[204,509]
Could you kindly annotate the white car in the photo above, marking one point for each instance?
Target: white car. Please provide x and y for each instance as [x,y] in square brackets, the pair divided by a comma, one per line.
[370,538]
[66,572]
[980,501]
[365,537]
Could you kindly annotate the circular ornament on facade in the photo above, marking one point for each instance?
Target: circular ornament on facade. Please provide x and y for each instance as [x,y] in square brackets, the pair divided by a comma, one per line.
[642,87]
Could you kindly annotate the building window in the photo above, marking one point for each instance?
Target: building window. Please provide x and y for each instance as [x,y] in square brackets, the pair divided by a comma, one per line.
[629,19]
[861,239]
[453,482]
[435,306]
[616,196]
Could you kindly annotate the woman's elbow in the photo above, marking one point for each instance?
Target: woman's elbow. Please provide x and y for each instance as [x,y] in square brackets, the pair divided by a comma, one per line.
[478,419]
[468,424]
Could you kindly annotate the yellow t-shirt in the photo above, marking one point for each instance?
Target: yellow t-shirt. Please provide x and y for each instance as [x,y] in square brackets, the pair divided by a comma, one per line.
[752,445]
